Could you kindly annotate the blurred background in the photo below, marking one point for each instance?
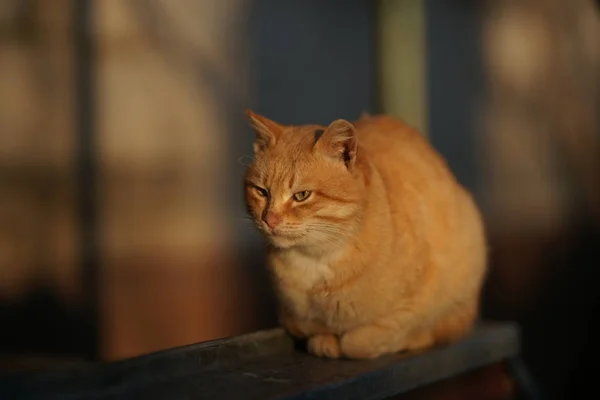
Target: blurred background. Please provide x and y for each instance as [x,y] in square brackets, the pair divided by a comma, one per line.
[123,142]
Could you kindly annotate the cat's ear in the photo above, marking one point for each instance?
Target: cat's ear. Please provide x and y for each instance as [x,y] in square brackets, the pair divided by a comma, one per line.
[339,140]
[267,131]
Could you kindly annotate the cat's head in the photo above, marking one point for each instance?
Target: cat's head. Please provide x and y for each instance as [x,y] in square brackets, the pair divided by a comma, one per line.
[302,189]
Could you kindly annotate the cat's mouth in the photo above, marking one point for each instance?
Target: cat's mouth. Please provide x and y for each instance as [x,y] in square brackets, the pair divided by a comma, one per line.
[277,231]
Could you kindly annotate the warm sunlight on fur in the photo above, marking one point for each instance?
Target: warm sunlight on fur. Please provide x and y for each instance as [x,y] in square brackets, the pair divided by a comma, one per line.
[374,247]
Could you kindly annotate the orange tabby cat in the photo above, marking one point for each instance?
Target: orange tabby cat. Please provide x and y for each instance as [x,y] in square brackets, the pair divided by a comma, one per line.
[374,246]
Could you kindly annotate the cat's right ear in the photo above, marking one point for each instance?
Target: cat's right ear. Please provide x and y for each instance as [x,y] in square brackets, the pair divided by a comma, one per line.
[267,131]
[339,141]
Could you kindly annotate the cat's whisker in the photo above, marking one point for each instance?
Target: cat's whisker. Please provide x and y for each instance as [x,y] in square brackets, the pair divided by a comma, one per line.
[328,229]
[332,231]
[242,158]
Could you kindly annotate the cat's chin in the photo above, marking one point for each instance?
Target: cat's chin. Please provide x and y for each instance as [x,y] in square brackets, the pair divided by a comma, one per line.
[282,242]
[303,243]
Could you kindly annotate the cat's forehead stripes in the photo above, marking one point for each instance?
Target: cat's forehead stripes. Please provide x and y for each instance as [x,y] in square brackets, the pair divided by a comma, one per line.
[293,178]
[285,170]
[336,199]
[280,175]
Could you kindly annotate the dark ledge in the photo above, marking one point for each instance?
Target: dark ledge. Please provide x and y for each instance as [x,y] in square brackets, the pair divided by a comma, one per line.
[263,365]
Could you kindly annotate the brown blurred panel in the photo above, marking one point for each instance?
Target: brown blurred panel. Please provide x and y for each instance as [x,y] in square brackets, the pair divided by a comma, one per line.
[168,273]
[540,148]
[154,302]
[541,171]
[38,232]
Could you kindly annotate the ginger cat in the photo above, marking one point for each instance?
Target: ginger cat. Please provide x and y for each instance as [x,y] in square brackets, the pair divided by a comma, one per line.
[374,247]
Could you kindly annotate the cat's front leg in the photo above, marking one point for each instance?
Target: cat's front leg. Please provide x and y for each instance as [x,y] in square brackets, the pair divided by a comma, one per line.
[320,343]
[324,345]
[371,341]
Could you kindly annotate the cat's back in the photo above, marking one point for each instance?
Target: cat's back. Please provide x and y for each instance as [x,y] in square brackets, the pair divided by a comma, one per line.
[428,209]
[397,148]
[375,130]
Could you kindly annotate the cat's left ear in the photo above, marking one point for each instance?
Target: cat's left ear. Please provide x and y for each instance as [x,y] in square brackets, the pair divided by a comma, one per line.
[339,140]
[267,131]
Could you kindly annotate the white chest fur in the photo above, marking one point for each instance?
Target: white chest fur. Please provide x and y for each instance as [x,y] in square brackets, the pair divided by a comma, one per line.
[304,271]
[297,274]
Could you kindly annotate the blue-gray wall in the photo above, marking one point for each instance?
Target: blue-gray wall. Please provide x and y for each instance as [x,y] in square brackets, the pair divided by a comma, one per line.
[314,59]
[454,74]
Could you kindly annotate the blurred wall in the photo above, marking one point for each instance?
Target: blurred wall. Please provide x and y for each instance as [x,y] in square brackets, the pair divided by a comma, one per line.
[454,86]
[540,157]
[402,75]
[168,273]
[39,271]
[160,134]
[173,259]
[36,129]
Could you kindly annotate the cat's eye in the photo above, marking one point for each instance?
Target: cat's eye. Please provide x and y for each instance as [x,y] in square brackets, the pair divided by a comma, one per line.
[260,191]
[301,196]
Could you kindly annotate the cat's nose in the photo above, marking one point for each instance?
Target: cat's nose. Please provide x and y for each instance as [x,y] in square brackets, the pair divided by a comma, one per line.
[272,219]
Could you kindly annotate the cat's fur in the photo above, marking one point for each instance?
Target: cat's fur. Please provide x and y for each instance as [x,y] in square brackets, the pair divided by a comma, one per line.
[387,253]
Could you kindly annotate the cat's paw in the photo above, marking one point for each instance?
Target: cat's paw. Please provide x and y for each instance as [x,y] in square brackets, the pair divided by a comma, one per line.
[365,342]
[324,346]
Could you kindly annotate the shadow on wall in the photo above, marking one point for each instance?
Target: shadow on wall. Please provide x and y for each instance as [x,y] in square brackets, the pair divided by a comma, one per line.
[541,161]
